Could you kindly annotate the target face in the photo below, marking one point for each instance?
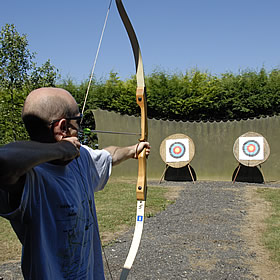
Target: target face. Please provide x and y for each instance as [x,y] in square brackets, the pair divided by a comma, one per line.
[177,150]
[251,148]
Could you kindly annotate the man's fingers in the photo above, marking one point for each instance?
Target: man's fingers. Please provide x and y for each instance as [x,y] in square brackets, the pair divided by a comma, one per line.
[143,145]
[77,145]
[74,141]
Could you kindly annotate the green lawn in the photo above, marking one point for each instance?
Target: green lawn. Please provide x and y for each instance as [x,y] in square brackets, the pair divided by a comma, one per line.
[10,247]
[271,236]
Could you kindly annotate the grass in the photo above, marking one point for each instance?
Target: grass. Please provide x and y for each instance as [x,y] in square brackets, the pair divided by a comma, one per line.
[116,211]
[10,247]
[271,236]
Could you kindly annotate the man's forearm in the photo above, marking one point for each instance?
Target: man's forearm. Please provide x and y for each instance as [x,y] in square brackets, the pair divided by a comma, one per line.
[19,157]
[120,154]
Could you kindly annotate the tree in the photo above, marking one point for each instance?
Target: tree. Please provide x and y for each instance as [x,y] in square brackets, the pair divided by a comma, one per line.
[18,76]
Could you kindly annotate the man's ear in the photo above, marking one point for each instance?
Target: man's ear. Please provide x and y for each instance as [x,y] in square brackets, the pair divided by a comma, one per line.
[60,130]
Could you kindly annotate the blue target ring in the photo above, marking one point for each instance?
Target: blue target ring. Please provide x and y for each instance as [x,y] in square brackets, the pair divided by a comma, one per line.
[251,148]
[177,150]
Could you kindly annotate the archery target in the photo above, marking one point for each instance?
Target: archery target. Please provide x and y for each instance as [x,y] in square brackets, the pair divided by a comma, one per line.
[177,150]
[251,148]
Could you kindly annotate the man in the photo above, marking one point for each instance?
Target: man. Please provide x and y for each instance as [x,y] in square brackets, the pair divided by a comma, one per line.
[47,189]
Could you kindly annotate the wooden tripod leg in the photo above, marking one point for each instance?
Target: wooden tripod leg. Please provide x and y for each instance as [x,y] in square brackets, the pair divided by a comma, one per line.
[260,168]
[236,173]
[191,173]
[166,167]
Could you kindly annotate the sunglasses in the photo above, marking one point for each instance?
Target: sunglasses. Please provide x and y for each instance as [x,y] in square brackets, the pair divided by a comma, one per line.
[77,118]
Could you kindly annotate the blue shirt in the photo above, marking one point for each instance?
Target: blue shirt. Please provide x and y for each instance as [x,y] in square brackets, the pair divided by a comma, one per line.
[56,220]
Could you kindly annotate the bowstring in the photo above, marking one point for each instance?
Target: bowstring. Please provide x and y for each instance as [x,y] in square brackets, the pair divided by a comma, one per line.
[84,104]
[96,56]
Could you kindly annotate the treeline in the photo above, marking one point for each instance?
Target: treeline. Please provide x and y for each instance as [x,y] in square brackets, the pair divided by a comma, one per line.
[194,95]
[191,96]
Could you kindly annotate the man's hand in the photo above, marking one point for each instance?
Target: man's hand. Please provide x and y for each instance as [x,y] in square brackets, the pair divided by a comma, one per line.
[72,151]
[75,141]
[139,148]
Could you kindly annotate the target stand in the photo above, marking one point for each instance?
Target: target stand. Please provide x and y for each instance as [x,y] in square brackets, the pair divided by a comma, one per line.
[251,149]
[177,151]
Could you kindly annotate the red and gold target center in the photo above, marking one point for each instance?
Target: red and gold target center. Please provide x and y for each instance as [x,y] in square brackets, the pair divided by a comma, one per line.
[177,150]
[251,148]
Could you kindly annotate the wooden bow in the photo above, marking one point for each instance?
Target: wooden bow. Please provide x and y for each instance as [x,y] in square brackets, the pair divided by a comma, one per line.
[141,187]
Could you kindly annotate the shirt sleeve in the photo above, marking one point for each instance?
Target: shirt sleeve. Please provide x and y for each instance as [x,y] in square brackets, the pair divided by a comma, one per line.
[4,203]
[102,165]
[16,214]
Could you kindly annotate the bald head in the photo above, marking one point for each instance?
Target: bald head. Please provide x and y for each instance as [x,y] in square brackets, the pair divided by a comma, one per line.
[46,104]
[50,103]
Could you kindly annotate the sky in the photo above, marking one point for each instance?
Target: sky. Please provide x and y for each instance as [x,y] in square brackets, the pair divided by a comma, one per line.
[216,36]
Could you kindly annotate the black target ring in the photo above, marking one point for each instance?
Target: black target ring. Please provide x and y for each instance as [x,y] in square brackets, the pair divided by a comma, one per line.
[177,150]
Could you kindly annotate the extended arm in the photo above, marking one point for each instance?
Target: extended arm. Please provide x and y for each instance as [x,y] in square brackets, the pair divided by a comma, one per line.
[120,154]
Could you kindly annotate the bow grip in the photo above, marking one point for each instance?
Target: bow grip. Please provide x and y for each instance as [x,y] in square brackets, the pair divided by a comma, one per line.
[141,187]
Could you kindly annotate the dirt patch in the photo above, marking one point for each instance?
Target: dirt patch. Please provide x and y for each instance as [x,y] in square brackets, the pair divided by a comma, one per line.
[258,211]
[173,193]
[109,237]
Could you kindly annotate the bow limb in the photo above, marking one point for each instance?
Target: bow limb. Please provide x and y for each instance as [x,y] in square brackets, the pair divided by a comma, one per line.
[141,187]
